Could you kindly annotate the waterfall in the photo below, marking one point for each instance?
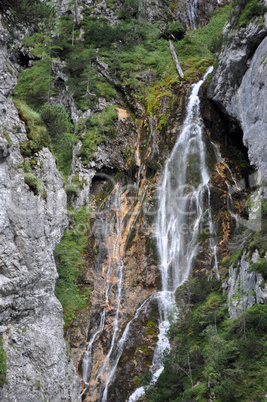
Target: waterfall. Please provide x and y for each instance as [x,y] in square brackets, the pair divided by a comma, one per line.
[191,11]
[115,266]
[184,210]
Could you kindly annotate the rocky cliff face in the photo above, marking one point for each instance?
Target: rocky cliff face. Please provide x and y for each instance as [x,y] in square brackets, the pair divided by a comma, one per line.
[30,225]
[239,86]
[112,341]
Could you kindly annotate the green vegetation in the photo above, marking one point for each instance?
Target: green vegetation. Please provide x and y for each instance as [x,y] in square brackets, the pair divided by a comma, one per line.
[60,130]
[232,259]
[133,56]
[36,185]
[69,260]
[261,267]
[95,132]
[33,84]
[36,131]
[17,12]
[211,355]
[7,137]
[3,367]
[243,11]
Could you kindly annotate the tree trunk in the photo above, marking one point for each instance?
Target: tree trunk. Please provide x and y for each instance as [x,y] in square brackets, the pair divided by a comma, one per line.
[175,59]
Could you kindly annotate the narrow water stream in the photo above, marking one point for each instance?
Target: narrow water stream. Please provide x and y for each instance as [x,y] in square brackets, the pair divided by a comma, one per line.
[184,210]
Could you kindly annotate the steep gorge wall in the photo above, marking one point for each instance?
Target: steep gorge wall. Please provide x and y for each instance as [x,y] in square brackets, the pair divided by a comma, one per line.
[239,86]
[131,161]
[31,225]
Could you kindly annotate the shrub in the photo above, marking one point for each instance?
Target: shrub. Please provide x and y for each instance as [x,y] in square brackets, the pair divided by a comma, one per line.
[33,84]
[36,185]
[56,120]
[36,131]
[17,11]
[261,267]
[69,261]
[244,11]
[60,130]
[174,30]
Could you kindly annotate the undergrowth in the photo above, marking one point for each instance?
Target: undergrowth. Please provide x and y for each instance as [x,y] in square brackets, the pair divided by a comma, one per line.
[210,354]
[69,260]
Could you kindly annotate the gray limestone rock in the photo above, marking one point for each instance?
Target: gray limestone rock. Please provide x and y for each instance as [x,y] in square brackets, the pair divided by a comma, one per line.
[239,87]
[244,288]
[30,227]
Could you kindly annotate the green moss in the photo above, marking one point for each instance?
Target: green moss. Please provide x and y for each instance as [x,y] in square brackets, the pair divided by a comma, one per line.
[3,366]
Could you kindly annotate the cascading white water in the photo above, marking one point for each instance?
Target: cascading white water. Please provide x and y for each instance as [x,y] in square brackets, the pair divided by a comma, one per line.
[191,11]
[184,209]
[116,265]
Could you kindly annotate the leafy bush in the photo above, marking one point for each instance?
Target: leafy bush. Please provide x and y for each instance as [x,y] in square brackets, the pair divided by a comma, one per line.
[56,120]
[261,267]
[252,9]
[33,84]
[69,261]
[17,11]
[129,10]
[174,30]
[60,130]
[243,11]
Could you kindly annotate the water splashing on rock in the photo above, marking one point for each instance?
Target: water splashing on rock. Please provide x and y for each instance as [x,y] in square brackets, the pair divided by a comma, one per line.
[184,210]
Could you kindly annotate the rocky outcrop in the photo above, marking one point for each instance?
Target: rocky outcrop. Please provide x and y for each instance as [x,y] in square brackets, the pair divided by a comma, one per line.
[244,287]
[30,227]
[239,87]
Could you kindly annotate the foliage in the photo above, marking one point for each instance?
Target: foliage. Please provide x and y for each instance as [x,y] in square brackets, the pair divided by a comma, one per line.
[210,355]
[261,267]
[60,130]
[3,366]
[7,137]
[96,129]
[36,185]
[174,30]
[56,120]
[36,131]
[17,11]
[232,259]
[243,11]
[33,84]
[69,260]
